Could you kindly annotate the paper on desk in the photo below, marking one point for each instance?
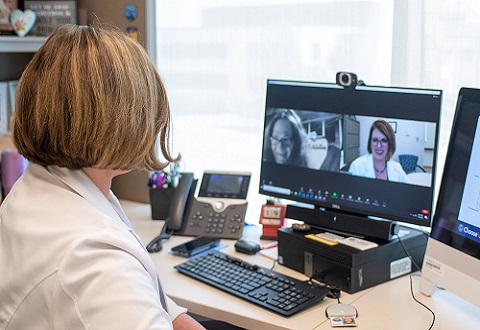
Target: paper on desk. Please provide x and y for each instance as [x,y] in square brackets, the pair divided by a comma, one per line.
[270,253]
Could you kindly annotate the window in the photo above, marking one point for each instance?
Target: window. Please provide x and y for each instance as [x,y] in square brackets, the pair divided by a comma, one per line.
[215,57]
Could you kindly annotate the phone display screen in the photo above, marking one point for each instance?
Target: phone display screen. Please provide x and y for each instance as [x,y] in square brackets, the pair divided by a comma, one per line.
[224,185]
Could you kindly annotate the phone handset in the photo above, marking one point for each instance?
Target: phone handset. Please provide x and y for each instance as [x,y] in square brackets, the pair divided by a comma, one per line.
[176,214]
[178,204]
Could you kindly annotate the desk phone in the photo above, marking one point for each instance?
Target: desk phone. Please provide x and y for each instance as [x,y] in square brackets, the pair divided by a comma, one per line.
[219,210]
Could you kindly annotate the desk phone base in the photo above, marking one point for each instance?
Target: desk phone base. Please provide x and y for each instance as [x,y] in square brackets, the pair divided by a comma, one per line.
[203,219]
[258,285]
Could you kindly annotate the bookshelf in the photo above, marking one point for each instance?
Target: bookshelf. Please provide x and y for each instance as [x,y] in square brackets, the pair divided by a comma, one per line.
[14,44]
[15,53]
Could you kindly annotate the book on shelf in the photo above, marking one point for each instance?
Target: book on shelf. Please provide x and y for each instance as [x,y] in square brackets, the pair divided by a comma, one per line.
[7,103]
[12,88]
[4,105]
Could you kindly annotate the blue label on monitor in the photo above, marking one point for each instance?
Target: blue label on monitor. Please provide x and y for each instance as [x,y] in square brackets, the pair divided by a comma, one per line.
[467,230]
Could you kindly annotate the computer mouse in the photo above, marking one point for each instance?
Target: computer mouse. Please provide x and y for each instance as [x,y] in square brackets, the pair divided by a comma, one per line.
[341,310]
[247,247]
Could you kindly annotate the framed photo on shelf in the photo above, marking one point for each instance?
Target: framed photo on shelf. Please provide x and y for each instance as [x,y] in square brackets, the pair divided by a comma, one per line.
[6,7]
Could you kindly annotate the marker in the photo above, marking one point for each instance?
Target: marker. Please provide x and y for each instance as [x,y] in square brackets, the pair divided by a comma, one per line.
[156,180]
[269,246]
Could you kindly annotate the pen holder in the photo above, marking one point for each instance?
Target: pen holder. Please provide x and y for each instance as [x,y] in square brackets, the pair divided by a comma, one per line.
[160,199]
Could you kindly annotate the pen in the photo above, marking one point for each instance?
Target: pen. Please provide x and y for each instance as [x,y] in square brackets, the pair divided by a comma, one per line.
[269,246]
[156,180]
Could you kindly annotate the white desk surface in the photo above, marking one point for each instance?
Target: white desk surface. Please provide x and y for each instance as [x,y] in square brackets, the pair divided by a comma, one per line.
[386,306]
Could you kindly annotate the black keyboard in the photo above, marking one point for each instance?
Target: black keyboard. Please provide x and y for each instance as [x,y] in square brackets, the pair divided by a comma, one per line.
[261,286]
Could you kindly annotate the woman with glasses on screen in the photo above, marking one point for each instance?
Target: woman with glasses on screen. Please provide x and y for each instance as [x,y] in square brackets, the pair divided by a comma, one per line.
[285,139]
[378,163]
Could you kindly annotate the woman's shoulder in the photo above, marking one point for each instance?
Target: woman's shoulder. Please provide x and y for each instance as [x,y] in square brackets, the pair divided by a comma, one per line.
[362,159]
[396,171]
[360,165]
[395,165]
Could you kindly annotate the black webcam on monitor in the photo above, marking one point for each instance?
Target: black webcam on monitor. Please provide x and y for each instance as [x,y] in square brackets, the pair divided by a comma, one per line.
[347,79]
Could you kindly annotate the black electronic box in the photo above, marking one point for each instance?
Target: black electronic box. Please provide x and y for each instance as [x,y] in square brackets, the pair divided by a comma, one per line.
[350,269]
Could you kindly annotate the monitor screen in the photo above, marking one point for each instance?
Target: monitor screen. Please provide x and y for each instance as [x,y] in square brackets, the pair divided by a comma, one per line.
[365,150]
[457,220]
[453,250]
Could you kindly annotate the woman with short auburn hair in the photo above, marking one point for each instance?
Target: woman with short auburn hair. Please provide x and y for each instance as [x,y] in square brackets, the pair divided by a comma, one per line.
[89,106]
[90,99]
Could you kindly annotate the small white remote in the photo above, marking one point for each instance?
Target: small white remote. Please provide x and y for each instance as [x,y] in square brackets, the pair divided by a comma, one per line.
[358,243]
[331,236]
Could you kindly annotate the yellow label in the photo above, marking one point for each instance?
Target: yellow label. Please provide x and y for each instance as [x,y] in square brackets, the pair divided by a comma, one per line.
[321,239]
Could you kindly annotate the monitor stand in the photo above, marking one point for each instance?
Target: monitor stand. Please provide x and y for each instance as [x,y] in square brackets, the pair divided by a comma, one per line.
[343,222]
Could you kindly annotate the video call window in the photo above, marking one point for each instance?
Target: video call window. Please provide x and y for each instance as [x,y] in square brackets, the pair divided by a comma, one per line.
[396,150]
[309,139]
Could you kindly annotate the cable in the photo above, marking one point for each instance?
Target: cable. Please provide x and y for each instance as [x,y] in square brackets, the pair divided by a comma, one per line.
[274,264]
[407,254]
[335,292]
[419,302]
[411,285]
[420,228]
[156,244]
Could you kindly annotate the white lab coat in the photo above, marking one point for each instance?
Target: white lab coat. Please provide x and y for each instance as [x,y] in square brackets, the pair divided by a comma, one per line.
[69,259]
[363,166]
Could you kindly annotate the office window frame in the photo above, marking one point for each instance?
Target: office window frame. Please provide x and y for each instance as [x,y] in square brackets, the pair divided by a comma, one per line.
[412,48]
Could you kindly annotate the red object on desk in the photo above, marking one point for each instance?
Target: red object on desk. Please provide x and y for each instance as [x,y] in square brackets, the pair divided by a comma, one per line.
[272,217]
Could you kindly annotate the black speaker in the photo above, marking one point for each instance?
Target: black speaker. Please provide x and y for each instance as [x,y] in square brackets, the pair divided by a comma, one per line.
[347,223]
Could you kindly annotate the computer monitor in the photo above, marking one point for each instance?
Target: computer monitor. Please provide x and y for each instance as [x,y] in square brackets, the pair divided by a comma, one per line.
[318,150]
[453,248]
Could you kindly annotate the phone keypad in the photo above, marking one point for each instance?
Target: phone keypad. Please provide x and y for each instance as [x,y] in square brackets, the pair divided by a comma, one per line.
[204,220]
[215,223]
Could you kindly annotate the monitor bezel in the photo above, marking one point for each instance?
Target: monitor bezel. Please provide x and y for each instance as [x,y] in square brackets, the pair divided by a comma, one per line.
[443,230]
[328,206]
[452,266]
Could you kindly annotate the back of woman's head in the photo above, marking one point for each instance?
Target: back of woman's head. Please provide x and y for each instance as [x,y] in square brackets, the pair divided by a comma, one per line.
[91,97]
